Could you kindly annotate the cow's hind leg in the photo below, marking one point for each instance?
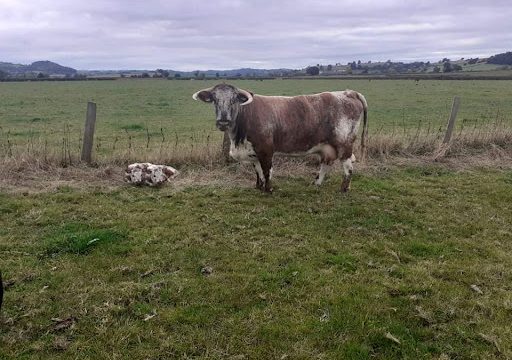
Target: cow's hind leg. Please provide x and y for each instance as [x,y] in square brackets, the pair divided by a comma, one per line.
[324,170]
[347,174]
[327,156]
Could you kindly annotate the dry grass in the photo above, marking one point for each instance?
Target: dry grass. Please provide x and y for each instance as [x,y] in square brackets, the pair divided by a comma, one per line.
[32,175]
[36,169]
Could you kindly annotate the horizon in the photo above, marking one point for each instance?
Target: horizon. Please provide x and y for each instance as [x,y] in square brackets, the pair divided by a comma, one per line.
[253,68]
[235,34]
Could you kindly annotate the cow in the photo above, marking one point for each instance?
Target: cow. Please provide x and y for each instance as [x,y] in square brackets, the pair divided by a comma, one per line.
[260,126]
[149,174]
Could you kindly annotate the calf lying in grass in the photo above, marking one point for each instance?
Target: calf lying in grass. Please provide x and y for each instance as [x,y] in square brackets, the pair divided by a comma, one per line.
[149,174]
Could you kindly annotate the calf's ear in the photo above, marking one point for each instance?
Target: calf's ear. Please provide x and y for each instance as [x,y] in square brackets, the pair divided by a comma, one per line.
[203,95]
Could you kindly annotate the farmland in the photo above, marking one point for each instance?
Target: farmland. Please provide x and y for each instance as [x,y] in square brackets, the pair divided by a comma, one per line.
[413,263]
[147,116]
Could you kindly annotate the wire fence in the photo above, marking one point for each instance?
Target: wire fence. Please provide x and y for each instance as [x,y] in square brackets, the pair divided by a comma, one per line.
[406,135]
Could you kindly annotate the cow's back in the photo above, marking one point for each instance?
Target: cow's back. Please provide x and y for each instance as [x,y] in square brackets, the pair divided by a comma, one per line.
[297,124]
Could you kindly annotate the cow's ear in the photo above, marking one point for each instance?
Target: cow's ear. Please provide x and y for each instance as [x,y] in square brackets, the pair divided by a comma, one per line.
[203,95]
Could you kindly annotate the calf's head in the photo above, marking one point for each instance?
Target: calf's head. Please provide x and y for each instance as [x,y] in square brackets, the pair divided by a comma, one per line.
[227,100]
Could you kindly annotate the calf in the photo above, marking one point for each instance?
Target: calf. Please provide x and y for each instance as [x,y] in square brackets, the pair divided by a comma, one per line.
[149,174]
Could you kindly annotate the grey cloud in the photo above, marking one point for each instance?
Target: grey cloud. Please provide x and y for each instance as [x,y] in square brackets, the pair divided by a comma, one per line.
[195,34]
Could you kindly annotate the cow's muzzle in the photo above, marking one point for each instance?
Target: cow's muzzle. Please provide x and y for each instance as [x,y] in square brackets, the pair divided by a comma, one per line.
[222,125]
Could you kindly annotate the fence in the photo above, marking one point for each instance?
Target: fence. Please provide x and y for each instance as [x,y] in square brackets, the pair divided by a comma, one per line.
[69,146]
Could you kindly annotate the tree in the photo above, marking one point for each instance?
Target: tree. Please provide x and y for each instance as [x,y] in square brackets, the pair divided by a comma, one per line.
[456,67]
[313,70]
[177,75]
[436,69]
[162,73]
[145,75]
[447,67]
[3,75]
[329,67]
[217,75]
[41,75]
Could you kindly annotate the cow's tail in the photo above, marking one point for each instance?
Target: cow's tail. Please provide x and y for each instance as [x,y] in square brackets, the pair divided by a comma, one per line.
[364,135]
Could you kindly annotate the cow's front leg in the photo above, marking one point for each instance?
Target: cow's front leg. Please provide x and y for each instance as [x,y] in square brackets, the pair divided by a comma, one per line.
[259,175]
[266,166]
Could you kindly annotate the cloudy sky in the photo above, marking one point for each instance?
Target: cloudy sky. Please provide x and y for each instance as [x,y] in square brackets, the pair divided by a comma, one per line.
[225,34]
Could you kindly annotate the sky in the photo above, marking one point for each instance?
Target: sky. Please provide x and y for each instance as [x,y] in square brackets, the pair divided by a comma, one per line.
[228,34]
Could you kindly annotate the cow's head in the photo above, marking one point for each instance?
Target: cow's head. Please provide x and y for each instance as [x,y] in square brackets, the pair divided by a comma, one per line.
[227,100]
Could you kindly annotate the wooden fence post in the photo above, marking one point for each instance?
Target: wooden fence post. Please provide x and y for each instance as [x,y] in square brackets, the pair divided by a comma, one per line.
[226,143]
[90,122]
[451,121]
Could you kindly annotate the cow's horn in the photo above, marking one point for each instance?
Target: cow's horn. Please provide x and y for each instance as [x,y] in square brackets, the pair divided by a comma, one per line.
[248,95]
[195,96]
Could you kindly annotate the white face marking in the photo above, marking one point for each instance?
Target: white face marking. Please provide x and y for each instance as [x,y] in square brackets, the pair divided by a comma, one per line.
[324,169]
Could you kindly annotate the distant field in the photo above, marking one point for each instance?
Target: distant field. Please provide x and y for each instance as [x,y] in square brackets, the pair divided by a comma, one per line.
[152,114]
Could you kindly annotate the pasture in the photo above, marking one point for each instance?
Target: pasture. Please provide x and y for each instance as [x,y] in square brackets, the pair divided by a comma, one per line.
[413,263]
[157,119]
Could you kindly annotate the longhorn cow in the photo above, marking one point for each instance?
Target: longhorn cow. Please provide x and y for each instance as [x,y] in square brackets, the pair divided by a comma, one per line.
[261,126]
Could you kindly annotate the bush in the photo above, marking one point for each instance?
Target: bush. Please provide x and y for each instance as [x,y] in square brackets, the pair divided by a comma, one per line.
[313,70]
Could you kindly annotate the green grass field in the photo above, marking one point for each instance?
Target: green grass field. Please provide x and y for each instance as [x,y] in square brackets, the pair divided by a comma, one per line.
[413,264]
[44,113]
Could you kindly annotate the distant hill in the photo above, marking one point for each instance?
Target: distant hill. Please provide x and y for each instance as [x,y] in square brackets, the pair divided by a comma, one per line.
[48,69]
[45,67]
[501,59]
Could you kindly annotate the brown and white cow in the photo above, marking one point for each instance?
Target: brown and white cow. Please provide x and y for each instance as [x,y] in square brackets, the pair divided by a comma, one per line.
[261,126]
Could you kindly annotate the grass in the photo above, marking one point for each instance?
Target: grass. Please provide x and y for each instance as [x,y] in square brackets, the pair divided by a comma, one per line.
[138,119]
[385,272]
